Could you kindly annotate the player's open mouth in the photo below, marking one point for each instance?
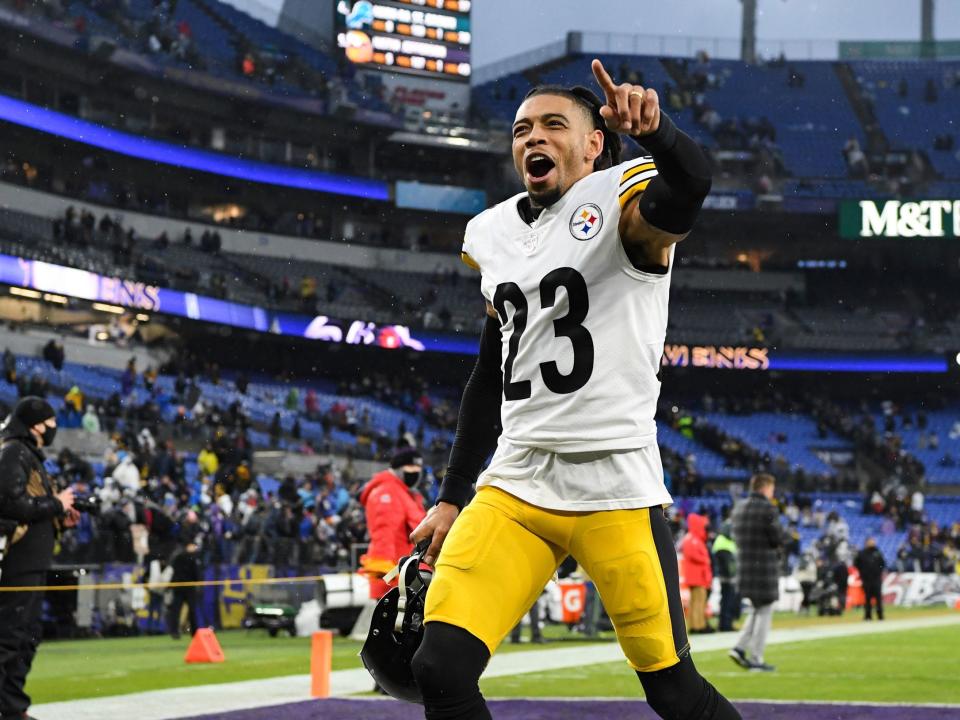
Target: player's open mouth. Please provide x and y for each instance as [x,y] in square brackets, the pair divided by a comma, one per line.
[538,167]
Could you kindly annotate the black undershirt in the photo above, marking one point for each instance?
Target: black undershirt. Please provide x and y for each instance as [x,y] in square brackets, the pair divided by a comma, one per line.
[528,211]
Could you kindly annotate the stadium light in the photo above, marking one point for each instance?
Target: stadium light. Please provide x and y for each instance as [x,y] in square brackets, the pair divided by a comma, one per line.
[24,292]
[59,299]
[115,309]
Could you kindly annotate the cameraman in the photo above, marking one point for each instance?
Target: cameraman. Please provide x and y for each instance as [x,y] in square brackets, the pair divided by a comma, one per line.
[26,497]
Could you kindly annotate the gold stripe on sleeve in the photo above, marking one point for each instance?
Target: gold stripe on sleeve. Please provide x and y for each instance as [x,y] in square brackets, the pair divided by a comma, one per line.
[636,171]
[469,261]
[628,195]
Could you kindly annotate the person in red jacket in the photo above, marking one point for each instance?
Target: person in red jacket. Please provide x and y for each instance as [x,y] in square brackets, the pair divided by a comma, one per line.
[697,571]
[393,510]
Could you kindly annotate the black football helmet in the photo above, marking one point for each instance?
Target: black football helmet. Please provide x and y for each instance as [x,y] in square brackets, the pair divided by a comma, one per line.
[397,629]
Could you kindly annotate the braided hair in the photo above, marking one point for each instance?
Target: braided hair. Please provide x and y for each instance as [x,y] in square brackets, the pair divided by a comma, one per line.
[591,104]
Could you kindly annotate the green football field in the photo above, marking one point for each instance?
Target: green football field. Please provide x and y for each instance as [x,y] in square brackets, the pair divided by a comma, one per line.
[917,666]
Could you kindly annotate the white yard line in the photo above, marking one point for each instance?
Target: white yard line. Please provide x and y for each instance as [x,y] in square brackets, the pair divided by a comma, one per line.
[205,699]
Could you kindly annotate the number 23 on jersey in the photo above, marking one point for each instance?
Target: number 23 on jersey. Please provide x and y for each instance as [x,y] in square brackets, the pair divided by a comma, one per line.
[568,326]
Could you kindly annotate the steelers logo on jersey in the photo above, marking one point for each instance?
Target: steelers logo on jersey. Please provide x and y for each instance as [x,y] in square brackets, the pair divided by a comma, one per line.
[586,221]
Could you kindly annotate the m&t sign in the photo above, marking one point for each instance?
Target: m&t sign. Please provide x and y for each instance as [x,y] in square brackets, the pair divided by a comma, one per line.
[900,218]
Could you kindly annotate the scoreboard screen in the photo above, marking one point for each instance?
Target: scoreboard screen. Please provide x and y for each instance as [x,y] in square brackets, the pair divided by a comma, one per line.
[422,37]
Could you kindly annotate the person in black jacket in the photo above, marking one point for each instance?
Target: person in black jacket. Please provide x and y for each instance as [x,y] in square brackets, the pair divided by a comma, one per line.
[186,568]
[758,534]
[27,498]
[870,564]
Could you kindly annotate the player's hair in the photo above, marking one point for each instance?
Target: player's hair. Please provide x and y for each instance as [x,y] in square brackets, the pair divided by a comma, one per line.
[760,481]
[612,144]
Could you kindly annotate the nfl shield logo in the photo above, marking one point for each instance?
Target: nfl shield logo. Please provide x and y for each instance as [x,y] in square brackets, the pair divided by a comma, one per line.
[586,222]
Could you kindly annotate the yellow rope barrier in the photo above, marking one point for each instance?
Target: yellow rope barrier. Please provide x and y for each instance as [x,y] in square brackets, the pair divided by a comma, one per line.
[167,585]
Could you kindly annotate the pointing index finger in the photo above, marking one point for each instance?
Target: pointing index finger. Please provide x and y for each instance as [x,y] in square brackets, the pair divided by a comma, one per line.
[604,80]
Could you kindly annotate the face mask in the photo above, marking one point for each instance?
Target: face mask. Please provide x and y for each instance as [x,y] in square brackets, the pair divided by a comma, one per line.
[411,478]
[49,433]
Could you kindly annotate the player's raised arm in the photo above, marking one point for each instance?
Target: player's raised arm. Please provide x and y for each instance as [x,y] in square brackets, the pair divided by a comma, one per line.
[478,427]
[671,202]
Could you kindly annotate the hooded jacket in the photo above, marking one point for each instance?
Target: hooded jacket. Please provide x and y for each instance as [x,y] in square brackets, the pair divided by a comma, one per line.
[127,475]
[27,496]
[393,511]
[695,566]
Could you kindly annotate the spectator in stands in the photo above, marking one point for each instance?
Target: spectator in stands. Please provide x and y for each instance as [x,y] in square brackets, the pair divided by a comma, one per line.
[870,564]
[74,399]
[312,404]
[276,430]
[207,461]
[393,509]
[856,159]
[756,530]
[930,91]
[9,367]
[91,422]
[149,378]
[837,527]
[126,474]
[916,506]
[129,377]
[696,570]
[53,353]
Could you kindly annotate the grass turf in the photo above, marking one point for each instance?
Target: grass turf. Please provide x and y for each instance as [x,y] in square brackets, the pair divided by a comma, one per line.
[916,666]
[70,670]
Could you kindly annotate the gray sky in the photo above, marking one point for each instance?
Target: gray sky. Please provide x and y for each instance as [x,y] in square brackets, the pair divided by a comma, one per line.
[502,28]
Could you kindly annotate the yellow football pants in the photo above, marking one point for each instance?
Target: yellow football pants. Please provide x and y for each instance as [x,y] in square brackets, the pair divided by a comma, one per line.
[501,552]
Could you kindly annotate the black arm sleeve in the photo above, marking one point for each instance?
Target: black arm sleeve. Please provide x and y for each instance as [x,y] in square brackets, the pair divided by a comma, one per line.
[478,424]
[672,200]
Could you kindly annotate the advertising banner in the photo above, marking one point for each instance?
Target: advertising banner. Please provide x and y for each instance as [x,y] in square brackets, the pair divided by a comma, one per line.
[900,218]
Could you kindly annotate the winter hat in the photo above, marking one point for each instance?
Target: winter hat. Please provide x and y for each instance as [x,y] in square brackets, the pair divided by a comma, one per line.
[405,456]
[33,410]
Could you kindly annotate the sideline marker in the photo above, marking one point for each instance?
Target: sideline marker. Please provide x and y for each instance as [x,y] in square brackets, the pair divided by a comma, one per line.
[321,663]
[204,648]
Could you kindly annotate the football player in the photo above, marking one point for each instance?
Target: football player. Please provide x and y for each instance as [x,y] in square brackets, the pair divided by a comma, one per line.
[576,274]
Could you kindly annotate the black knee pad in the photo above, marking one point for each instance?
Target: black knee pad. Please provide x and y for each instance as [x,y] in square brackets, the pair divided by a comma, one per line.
[681,693]
[447,667]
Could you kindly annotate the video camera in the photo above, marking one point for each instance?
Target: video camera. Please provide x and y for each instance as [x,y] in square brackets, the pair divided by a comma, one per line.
[89,504]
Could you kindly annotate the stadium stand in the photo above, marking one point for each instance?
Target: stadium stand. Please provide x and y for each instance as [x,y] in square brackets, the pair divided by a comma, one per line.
[914,100]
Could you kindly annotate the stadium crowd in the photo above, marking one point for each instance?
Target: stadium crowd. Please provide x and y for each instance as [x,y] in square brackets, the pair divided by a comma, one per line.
[145,480]
[148,486]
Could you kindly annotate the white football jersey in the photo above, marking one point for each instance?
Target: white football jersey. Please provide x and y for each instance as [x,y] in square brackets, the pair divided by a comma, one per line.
[582,329]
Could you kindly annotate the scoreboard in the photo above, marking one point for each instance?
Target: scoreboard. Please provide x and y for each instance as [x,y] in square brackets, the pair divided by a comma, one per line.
[421,37]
